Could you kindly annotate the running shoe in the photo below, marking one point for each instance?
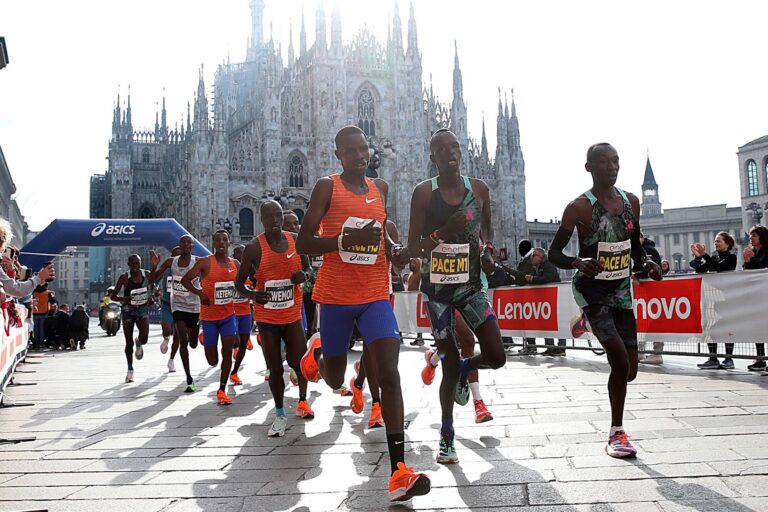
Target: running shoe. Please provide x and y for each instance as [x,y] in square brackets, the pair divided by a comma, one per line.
[278,427]
[757,366]
[267,373]
[201,339]
[482,414]
[710,364]
[619,446]
[727,364]
[190,388]
[309,367]
[164,346]
[343,391]
[579,326]
[250,344]
[428,373]
[376,421]
[235,380]
[405,484]
[139,350]
[304,411]
[358,402]
[447,453]
[171,366]
[129,376]
[461,396]
[293,377]
[222,398]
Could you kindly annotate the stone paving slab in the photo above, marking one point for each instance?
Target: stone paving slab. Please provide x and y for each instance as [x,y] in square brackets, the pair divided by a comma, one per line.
[702,439]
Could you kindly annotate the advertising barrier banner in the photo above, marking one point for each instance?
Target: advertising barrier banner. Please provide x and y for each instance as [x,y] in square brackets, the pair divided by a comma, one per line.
[13,343]
[698,308]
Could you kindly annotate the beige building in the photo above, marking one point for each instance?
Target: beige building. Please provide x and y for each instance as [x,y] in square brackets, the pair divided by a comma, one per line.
[72,284]
[753,179]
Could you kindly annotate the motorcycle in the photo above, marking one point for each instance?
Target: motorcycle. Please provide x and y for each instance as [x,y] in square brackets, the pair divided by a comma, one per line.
[111,319]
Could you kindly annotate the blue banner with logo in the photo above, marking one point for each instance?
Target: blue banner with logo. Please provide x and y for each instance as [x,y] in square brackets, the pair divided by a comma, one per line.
[62,233]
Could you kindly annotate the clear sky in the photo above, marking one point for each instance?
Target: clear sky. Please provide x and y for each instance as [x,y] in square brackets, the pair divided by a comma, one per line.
[685,80]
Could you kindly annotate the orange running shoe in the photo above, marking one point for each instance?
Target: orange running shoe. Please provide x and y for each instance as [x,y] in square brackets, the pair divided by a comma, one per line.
[482,414]
[428,373]
[304,411]
[200,338]
[250,343]
[404,484]
[309,367]
[235,380]
[376,421]
[358,402]
[222,398]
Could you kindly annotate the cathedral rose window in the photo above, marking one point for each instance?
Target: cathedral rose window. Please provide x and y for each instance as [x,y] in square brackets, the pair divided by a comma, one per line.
[365,113]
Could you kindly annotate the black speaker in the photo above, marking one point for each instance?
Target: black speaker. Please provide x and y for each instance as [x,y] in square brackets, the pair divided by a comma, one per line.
[3,53]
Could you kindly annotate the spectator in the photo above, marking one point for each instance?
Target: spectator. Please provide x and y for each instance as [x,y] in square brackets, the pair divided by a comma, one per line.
[10,285]
[650,249]
[665,268]
[61,327]
[545,272]
[525,267]
[78,327]
[722,261]
[41,299]
[756,256]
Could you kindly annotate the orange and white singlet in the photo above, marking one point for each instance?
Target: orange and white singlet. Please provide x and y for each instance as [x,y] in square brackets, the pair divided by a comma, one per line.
[360,274]
[274,276]
[219,286]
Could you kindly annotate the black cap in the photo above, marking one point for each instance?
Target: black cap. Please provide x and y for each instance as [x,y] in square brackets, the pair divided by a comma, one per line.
[524,247]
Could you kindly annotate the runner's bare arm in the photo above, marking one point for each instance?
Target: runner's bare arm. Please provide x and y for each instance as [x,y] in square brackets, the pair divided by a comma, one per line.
[563,236]
[118,286]
[638,253]
[419,203]
[246,270]
[383,187]
[157,273]
[304,257]
[200,268]
[319,202]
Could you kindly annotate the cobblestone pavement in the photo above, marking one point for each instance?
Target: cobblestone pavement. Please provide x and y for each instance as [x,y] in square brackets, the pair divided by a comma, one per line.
[102,445]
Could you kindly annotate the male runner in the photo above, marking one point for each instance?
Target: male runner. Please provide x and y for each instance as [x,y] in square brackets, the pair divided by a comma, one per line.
[608,222]
[353,286]
[279,271]
[136,299]
[449,215]
[244,315]
[166,314]
[217,275]
[185,306]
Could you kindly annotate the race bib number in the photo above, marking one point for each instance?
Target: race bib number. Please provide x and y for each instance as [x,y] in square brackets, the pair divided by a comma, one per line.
[281,291]
[359,254]
[139,296]
[316,261]
[224,292]
[615,256]
[177,289]
[449,264]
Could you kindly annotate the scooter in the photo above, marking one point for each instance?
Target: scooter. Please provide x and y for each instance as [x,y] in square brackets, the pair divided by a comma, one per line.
[111,320]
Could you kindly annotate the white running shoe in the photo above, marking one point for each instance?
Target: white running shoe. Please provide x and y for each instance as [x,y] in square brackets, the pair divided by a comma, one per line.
[164,346]
[278,427]
[171,366]
[129,376]
[139,349]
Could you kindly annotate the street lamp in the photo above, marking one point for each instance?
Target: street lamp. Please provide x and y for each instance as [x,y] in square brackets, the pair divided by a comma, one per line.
[756,210]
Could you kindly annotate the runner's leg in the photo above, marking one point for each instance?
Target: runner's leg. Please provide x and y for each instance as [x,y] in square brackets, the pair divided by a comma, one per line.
[270,343]
[128,333]
[182,333]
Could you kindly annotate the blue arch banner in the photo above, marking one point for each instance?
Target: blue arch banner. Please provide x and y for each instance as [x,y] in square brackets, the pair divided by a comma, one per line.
[62,233]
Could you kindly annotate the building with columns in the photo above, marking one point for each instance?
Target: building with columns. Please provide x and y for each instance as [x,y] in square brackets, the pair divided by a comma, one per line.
[268,129]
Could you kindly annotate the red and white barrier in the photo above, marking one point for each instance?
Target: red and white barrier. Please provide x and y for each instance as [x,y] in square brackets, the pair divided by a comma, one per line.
[703,308]
[13,343]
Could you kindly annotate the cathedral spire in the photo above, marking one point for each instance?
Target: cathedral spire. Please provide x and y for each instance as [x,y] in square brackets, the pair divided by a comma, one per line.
[302,35]
[336,29]
[397,32]
[201,105]
[484,143]
[413,39]
[290,43]
[651,204]
[321,44]
[501,131]
[116,117]
[513,129]
[128,124]
[458,86]
[164,120]
[189,120]
[257,24]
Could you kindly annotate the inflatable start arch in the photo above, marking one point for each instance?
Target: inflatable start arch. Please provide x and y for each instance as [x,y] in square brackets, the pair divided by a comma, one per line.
[62,233]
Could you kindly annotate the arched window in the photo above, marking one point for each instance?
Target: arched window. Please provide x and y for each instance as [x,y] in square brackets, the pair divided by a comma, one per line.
[246,222]
[145,156]
[296,176]
[299,214]
[752,187]
[366,112]
[146,211]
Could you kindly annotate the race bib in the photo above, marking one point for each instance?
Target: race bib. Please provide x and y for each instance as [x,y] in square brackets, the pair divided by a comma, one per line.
[316,261]
[223,293]
[615,256]
[139,296]
[281,291]
[177,289]
[359,254]
[449,264]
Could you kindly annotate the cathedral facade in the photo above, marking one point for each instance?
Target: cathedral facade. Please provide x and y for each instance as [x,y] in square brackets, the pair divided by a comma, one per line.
[267,131]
